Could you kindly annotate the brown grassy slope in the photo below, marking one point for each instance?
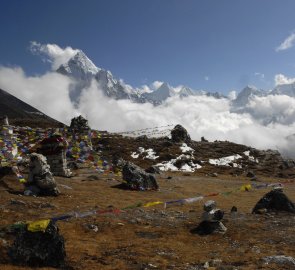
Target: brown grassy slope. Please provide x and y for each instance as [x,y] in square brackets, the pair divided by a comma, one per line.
[154,238]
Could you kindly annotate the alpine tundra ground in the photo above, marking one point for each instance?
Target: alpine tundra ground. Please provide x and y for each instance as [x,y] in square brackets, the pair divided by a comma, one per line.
[153,237]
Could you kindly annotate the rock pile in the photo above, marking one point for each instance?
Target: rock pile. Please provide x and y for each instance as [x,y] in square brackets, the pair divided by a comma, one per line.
[274,200]
[54,148]
[138,179]
[40,179]
[211,223]
[180,134]
[39,249]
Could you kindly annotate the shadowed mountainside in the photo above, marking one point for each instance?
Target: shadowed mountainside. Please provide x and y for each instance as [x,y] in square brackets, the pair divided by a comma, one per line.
[22,114]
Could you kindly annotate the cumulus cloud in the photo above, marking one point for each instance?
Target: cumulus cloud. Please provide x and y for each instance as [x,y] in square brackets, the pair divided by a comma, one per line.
[52,53]
[273,109]
[282,79]
[287,43]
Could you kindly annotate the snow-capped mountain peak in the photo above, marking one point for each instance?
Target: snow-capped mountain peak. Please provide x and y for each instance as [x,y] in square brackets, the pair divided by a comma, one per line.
[246,95]
[186,92]
[79,67]
[159,95]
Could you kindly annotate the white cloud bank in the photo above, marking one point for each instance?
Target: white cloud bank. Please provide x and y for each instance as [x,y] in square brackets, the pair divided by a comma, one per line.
[201,115]
[287,43]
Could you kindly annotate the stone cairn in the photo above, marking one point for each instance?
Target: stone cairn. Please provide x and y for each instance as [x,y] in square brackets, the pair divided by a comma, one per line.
[40,179]
[211,220]
[9,139]
[54,148]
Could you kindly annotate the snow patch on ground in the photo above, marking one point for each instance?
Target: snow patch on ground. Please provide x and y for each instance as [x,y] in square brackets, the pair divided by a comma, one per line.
[185,148]
[169,165]
[148,153]
[251,158]
[224,161]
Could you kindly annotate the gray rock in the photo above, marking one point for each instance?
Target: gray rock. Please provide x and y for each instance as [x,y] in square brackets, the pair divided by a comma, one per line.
[180,134]
[281,259]
[137,179]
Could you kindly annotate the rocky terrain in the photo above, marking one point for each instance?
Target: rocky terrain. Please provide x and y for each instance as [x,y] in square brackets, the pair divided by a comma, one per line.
[117,228]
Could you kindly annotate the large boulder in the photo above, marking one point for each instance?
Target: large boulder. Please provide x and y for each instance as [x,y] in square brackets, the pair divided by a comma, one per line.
[137,179]
[39,249]
[274,200]
[180,134]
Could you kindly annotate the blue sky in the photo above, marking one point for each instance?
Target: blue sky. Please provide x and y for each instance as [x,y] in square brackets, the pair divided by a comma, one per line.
[204,44]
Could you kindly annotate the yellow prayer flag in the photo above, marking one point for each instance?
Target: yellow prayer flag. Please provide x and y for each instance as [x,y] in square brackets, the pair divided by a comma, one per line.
[151,204]
[246,187]
[38,226]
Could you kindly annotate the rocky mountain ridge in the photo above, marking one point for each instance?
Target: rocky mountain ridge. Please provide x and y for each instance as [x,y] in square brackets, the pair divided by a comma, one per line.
[83,71]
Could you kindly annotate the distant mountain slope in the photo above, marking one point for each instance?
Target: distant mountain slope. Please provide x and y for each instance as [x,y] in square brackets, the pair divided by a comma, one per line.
[21,113]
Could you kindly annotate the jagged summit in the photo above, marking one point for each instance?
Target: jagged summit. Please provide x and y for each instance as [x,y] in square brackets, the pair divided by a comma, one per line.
[79,67]
[246,95]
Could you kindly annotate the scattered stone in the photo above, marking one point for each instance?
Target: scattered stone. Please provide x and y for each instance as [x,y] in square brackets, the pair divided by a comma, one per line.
[73,165]
[17,202]
[93,177]
[212,264]
[180,134]
[137,179]
[92,227]
[234,209]
[46,205]
[203,139]
[274,200]
[39,249]
[289,163]
[212,174]
[141,138]
[281,259]
[40,179]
